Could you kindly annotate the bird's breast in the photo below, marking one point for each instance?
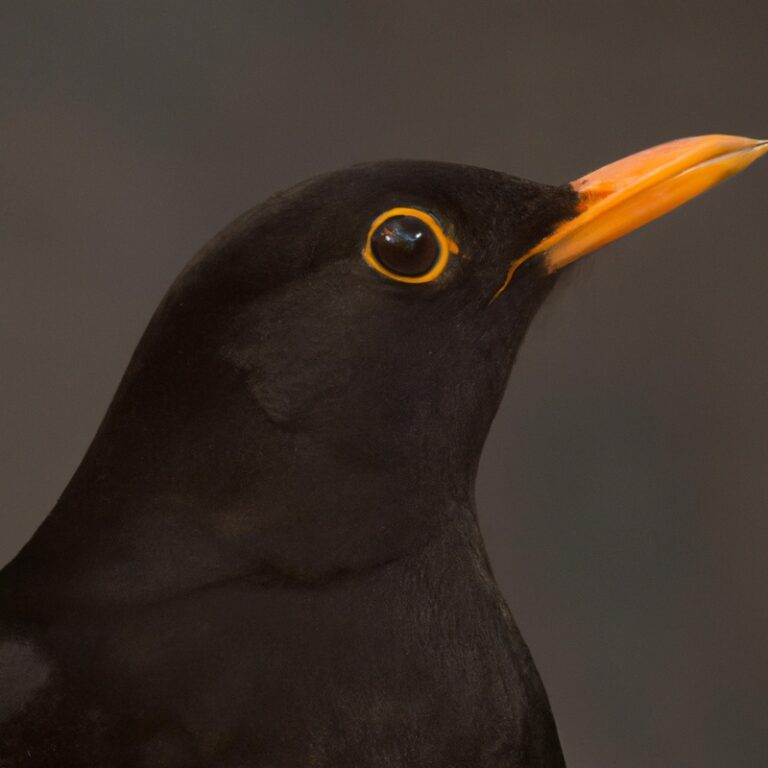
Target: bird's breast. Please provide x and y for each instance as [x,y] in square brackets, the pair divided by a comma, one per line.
[410,664]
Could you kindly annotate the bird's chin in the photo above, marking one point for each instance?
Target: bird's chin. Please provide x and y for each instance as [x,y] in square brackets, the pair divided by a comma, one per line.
[618,198]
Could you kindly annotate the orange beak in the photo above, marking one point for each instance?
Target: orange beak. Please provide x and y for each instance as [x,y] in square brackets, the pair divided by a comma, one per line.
[624,195]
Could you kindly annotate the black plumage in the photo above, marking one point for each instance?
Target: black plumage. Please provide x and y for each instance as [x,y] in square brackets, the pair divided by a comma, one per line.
[270,555]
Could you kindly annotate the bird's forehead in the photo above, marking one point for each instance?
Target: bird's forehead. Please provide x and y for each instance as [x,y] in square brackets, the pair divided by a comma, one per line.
[448,185]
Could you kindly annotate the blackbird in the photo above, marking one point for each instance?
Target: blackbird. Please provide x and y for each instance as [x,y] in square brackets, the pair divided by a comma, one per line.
[270,555]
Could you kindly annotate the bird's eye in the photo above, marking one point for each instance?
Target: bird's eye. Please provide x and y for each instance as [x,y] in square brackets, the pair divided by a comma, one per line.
[408,245]
[405,245]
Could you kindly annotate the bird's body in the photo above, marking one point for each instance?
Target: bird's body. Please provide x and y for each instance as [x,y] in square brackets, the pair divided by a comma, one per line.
[269,556]
[415,662]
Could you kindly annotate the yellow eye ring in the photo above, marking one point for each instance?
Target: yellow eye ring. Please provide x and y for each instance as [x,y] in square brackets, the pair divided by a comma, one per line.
[445,244]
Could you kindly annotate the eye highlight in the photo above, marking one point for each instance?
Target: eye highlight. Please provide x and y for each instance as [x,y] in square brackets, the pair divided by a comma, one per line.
[408,245]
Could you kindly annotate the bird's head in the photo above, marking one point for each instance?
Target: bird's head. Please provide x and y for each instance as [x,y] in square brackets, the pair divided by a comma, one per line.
[334,358]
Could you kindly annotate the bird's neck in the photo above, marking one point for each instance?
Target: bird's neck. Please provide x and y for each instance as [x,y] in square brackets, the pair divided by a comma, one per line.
[124,533]
[185,487]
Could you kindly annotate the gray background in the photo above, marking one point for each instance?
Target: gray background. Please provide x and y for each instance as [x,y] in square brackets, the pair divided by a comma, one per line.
[623,487]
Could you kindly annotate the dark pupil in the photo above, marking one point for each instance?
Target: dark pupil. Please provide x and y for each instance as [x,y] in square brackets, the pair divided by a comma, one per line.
[405,245]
